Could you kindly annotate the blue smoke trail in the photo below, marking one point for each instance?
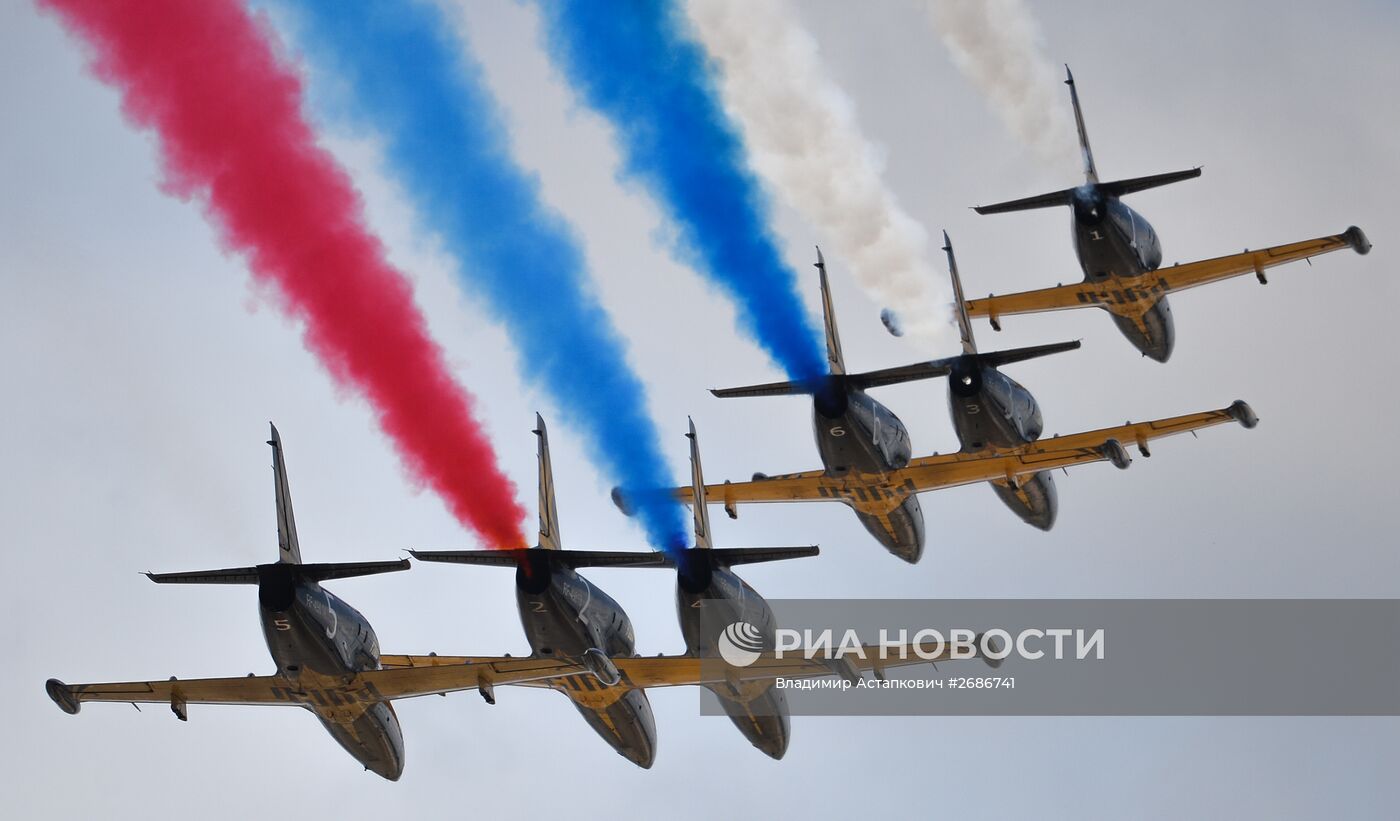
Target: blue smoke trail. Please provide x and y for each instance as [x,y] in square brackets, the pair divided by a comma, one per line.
[636,63]
[407,77]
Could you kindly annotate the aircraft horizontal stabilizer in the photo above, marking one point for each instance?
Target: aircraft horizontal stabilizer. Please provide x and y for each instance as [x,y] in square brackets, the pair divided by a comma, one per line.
[1117,188]
[998,358]
[564,558]
[942,367]
[612,558]
[753,555]
[902,373]
[1050,200]
[253,575]
[232,575]
[768,389]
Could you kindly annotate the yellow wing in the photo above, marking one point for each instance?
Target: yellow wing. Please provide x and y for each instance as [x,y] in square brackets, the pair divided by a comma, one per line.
[814,485]
[245,690]
[1135,297]
[679,671]
[684,670]
[405,676]
[881,493]
[401,677]
[1181,277]
[1139,433]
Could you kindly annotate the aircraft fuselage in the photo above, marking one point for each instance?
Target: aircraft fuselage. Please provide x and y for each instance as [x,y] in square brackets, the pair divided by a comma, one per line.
[564,616]
[992,411]
[1117,247]
[708,599]
[314,636]
[856,433]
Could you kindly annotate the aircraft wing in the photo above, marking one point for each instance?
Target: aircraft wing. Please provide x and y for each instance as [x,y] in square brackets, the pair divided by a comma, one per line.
[935,472]
[881,493]
[814,485]
[402,677]
[1059,298]
[1134,297]
[410,676]
[679,671]
[1191,274]
[242,690]
[684,670]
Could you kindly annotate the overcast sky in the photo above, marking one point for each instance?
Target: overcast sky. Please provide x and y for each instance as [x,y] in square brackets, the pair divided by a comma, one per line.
[140,368]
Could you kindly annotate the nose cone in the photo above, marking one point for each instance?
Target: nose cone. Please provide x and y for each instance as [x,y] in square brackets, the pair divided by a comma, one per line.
[1158,351]
[1153,333]
[391,769]
[901,532]
[763,720]
[374,739]
[1036,502]
[639,730]
[769,734]
[642,756]
[626,724]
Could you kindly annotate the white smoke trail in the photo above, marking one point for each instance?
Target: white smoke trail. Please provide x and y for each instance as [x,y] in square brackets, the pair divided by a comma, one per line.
[802,137]
[997,45]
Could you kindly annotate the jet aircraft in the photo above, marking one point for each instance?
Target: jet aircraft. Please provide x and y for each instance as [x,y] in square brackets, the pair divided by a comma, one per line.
[1121,256]
[991,411]
[328,658]
[566,616]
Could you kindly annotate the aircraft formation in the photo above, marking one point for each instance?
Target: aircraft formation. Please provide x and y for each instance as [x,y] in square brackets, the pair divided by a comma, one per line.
[328,657]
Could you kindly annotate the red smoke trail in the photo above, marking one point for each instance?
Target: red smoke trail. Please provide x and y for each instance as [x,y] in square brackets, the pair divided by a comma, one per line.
[204,75]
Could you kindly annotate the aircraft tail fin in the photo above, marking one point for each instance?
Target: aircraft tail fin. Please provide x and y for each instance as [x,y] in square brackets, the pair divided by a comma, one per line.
[549,513]
[835,361]
[697,485]
[1091,174]
[969,343]
[255,575]
[288,550]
